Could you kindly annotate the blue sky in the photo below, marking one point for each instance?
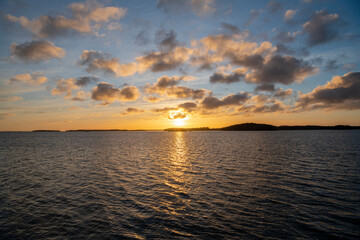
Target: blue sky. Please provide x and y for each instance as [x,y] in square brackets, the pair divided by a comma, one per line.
[156,64]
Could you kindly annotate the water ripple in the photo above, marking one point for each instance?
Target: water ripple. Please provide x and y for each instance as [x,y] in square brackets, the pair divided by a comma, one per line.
[180,185]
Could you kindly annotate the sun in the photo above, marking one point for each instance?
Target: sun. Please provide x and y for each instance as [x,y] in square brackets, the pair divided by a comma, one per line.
[179,122]
[178,118]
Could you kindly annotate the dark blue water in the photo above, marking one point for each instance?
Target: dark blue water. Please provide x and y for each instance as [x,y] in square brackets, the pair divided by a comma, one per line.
[180,185]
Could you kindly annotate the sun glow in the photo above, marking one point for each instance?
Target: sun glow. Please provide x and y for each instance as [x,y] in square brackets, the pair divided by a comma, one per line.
[178,117]
[179,122]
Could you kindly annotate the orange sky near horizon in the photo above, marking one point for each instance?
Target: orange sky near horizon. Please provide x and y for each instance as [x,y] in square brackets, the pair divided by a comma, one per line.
[154,122]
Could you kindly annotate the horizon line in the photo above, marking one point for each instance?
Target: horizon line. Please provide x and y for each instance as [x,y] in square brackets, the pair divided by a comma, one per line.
[190,128]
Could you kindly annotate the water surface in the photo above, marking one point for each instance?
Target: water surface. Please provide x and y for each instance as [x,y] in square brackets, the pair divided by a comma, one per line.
[180,185]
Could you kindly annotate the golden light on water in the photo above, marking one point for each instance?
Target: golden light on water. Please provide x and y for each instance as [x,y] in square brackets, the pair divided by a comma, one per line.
[178,161]
[176,178]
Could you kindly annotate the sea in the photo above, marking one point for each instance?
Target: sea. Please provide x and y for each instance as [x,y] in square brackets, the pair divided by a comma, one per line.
[180,185]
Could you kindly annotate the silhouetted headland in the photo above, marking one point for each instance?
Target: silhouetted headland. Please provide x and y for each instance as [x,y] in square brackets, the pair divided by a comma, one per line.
[266,127]
[249,127]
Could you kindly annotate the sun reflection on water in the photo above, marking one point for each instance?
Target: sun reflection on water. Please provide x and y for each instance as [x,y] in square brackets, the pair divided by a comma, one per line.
[179,148]
[178,163]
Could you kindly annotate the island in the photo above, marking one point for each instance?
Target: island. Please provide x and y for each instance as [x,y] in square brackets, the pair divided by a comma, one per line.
[266,127]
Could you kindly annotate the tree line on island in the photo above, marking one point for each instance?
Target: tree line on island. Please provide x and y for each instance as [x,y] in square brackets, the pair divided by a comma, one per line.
[266,127]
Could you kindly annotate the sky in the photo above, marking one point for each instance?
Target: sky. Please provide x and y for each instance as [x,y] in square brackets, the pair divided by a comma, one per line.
[170,63]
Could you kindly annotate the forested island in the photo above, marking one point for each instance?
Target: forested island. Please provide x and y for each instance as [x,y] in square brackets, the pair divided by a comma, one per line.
[266,127]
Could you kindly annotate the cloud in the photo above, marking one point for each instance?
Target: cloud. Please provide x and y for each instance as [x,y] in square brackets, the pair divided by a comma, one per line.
[285,37]
[188,106]
[254,14]
[230,100]
[68,85]
[331,65]
[203,54]
[9,98]
[142,37]
[289,14]
[152,99]
[265,87]
[282,94]
[65,86]
[114,26]
[164,110]
[204,62]
[176,6]
[183,92]
[322,27]
[281,69]
[282,49]
[252,61]
[260,99]
[166,81]
[245,103]
[163,61]
[263,104]
[107,93]
[83,81]
[36,51]
[166,40]
[264,68]
[153,61]
[241,103]
[178,115]
[264,108]
[86,16]
[98,61]
[236,76]
[230,28]
[226,45]
[131,111]
[215,49]
[342,93]
[203,7]
[274,6]
[80,96]
[167,86]
[34,78]
[199,7]
[181,111]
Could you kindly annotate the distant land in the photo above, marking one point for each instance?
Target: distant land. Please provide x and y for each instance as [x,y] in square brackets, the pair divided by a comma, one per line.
[92,130]
[97,130]
[266,127]
[236,127]
[46,130]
